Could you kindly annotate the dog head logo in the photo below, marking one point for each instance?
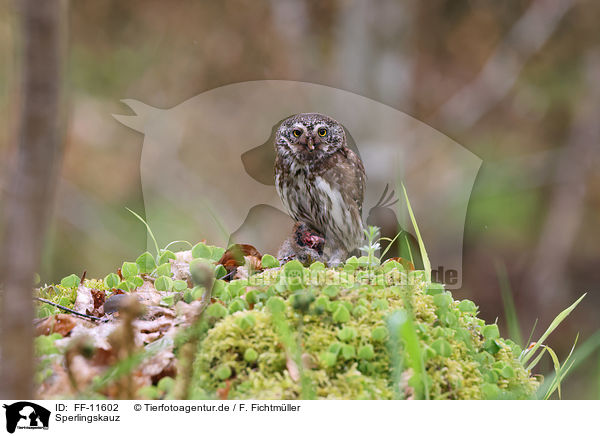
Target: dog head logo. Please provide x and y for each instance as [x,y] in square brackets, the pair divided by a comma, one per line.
[26,415]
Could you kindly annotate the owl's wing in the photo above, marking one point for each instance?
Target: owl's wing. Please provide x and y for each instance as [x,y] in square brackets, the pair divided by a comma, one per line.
[349,175]
[357,188]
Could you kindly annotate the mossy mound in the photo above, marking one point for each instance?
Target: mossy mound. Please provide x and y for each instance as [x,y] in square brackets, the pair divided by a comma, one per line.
[357,332]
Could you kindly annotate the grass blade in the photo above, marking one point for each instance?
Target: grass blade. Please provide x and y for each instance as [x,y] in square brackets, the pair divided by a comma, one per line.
[389,245]
[560,318]
[561,372]
[404,249]
[394,346]
[583,352]
[293,350]
[402,322]
[426,262]
[530,335]
[557,380]
[536,360]
[556,363]
[149,230]
[178,242]
[514,330]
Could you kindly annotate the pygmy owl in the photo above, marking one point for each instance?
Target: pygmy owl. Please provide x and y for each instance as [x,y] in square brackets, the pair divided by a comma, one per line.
[321,181]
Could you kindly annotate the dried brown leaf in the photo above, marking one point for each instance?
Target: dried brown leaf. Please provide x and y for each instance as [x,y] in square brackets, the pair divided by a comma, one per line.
[154,312]
[57,384]
[84,370]
[236,255]
[149,331]
[60,323]
[97,336]
[148,295]
[407,264]
[98,296]
[159,364]
[292,368]
[308,361]
[180,267]
[223,393]
[84,303]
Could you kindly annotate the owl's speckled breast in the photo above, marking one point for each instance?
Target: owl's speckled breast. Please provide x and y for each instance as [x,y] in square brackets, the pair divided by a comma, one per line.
[312,199]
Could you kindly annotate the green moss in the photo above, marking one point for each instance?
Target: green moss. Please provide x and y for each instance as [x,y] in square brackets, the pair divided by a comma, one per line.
[361,331]
[337,319]
[47,353]
[65,296]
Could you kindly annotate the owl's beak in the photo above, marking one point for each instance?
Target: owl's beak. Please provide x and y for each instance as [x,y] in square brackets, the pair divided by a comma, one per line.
[310,143]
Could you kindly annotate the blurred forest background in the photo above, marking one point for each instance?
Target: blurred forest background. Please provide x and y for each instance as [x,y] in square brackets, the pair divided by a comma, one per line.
[516,82]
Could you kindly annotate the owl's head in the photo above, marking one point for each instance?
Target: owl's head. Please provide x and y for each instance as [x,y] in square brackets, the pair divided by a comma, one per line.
[309,137]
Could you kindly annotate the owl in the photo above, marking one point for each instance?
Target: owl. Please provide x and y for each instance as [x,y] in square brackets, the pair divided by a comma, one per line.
[321,181]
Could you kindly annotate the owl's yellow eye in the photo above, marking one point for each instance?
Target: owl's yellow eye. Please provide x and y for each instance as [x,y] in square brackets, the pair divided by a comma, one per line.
[297,132]
[322,131]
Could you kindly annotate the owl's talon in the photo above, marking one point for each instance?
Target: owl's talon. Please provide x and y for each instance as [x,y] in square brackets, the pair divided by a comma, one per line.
[285,260]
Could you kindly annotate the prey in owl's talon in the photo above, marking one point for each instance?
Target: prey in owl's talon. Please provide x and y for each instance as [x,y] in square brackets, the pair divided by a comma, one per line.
[304,245]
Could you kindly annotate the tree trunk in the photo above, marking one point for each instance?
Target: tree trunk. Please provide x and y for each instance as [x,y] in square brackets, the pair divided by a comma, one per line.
[29,187]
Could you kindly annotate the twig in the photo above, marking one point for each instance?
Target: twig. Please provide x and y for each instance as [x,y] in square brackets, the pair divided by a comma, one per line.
[66,309]
[229,274]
